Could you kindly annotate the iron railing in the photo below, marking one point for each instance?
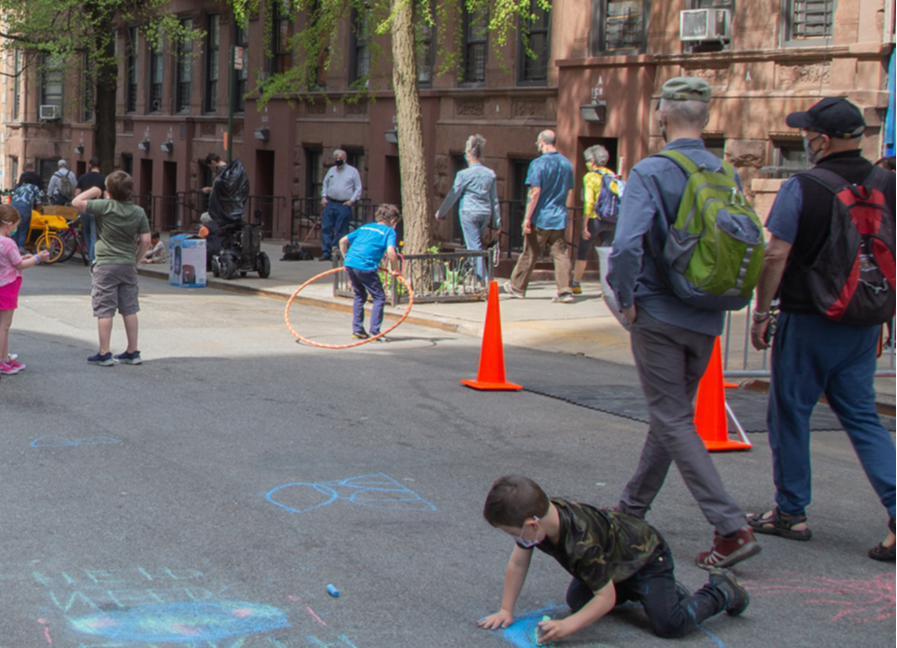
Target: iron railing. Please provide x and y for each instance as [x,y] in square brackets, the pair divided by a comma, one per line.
[444,277]
[182,211]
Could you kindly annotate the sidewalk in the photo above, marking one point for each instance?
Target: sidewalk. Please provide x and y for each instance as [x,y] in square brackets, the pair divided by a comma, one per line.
[585,327]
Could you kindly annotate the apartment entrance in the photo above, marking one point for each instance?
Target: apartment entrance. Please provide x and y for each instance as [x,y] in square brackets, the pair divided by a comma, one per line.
[263,192]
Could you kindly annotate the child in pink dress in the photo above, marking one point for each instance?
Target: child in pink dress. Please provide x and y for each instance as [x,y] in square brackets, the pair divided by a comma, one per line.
[11,265]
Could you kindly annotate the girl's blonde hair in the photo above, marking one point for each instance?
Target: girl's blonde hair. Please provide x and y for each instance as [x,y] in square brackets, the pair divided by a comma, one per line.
[9,214]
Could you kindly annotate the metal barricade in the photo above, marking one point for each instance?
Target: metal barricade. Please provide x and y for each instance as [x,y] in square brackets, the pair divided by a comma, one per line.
[741,360]
[445,277]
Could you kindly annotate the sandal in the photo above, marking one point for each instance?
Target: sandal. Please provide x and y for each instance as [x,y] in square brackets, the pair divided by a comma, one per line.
[775,522]
[881,552]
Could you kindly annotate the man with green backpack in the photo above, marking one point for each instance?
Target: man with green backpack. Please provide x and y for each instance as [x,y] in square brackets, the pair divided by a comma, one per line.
[688,247]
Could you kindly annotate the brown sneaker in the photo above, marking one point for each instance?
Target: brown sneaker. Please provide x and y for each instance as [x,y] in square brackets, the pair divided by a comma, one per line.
[729,551]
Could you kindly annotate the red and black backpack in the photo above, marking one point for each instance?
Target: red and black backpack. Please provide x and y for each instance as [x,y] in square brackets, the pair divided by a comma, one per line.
[852,279]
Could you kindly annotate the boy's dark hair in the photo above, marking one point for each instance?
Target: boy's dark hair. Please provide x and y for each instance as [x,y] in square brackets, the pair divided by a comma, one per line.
[512,500]
[154,236]
[211,158]
[387,213]
[94,163]
[120,185]
[9,214]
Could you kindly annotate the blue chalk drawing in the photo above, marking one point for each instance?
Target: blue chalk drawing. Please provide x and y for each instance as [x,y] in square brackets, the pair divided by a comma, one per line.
[522,632]
[53,441]
[183,622]
[375,491]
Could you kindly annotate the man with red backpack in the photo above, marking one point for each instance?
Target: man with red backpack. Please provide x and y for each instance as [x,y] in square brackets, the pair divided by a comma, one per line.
[830,260]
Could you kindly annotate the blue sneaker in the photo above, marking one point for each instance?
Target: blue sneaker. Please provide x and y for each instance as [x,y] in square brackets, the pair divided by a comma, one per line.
[129,358]
[104,359]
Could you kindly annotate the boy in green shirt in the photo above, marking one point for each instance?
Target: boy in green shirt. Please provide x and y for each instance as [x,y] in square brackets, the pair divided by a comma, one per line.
[123,237]
[613,558]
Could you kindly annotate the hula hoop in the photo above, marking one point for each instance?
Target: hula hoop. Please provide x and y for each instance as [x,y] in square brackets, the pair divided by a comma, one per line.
[320,345]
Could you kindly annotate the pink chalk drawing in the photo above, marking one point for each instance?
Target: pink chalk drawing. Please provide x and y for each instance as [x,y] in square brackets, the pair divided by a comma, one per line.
[317,618]
[46,631]
[856,599]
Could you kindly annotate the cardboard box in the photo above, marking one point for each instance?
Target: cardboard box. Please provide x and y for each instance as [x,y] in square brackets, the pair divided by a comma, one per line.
[187,261]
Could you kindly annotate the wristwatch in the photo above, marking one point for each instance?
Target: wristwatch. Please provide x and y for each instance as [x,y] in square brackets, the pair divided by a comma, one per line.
[760,317]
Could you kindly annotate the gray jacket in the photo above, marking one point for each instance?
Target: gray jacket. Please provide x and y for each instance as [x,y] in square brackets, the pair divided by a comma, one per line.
[475,188]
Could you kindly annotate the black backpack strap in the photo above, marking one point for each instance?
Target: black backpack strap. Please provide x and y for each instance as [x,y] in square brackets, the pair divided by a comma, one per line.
[878,179]
[828,179]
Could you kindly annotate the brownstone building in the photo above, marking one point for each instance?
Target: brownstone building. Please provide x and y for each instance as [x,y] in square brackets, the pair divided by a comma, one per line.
[598,72]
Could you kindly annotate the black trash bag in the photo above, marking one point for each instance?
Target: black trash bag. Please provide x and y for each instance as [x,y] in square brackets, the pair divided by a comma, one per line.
[230,193]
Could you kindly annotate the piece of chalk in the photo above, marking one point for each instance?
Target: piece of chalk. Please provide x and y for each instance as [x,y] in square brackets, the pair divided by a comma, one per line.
[331,589]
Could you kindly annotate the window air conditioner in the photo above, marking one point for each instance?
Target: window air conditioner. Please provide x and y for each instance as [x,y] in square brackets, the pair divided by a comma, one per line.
[49,112]
[704,25]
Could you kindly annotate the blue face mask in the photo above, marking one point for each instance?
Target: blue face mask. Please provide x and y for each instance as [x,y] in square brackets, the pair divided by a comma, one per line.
[528,544]
[13,232]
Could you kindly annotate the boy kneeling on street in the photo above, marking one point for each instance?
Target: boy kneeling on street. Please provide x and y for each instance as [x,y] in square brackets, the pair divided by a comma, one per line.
[613,558]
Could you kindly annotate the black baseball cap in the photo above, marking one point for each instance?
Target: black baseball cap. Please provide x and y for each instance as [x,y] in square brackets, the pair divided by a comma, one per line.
[833,116]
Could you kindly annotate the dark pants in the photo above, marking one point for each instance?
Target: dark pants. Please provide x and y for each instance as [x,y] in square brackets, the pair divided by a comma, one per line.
[601,235]
[59,199]
[654,586]
[812,355]
[334,226]
[24,210]
[365,282]
[670,362]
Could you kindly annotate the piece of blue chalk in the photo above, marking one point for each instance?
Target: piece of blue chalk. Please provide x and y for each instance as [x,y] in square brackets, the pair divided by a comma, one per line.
[331,589]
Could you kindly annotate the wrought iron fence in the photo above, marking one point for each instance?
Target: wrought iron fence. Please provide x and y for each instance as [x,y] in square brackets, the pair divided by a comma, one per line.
[444,277]
[266,212]
[182,211]
[305,218]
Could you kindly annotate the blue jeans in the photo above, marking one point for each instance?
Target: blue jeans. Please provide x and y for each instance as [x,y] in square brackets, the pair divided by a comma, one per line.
[334,226]
[364,282]
[24,210]
[812,355]
[474,226]
[89,234]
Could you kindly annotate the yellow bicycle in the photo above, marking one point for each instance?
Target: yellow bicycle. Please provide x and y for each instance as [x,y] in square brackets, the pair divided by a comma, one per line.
[45,226]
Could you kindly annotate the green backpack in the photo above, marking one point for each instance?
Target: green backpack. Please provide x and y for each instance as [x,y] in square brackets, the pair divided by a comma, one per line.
[714,251]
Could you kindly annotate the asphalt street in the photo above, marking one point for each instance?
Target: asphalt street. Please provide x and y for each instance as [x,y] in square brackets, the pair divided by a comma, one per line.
[210,495]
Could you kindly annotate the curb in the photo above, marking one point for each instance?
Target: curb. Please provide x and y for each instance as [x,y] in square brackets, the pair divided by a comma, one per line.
[220,284]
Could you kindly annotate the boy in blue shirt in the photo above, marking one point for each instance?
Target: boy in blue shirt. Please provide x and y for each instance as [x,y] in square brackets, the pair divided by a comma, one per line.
[369,243]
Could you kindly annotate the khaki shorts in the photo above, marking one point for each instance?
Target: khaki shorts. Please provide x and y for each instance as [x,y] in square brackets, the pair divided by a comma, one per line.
[114,288]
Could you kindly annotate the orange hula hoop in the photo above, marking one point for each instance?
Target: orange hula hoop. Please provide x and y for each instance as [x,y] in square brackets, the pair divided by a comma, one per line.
[379,335]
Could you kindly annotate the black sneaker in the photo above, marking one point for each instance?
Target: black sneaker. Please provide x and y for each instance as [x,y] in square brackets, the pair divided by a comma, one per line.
[360,335]
[104,359]
[737,598]
[129,358]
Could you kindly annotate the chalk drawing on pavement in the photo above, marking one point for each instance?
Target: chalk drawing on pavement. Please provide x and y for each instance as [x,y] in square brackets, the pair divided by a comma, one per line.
[375,491]
[53,441]
[183,622]
[856,599]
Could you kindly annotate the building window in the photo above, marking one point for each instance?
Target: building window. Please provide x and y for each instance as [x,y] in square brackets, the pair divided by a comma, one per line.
[425,51]
[355,158]
[281,38]
[361,53]
[17,84]
[52,82]
[127,163]
[210,102]
[184,70]
[536,35]
[13,169]
[314,172]
[808,20]
[131,71]
[620,26]
[714,45]
[475,43]
[790,154]
[716,145]
[240,78]
[156,71]
[88,97]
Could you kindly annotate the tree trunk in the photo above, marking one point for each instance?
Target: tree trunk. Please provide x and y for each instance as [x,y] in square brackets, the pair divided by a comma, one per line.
[106,88]
[412,164]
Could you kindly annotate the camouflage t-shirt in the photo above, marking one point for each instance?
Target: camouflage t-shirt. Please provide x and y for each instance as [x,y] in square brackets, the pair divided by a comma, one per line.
[598,546]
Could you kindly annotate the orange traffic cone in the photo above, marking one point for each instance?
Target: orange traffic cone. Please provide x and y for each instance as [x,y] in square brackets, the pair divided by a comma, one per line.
[491,375]
[711,416]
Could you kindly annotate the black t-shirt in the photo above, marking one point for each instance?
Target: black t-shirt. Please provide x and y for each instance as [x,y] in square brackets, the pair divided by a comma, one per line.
[30,177]
[92,179]
[815,224]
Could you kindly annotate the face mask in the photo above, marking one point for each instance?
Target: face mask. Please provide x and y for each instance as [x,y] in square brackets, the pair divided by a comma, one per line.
[811,154]
[523,542]
[340,163]
[13,231]
[663,130]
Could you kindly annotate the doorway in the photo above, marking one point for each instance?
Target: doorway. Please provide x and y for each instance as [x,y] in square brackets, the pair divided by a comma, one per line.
[392,186]
[262,205]
[145,197]
[169,197]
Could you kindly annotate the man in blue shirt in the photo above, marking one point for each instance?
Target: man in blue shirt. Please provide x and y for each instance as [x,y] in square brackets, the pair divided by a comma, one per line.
[341,190]
[550,180]
[369,243]
[671,340]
